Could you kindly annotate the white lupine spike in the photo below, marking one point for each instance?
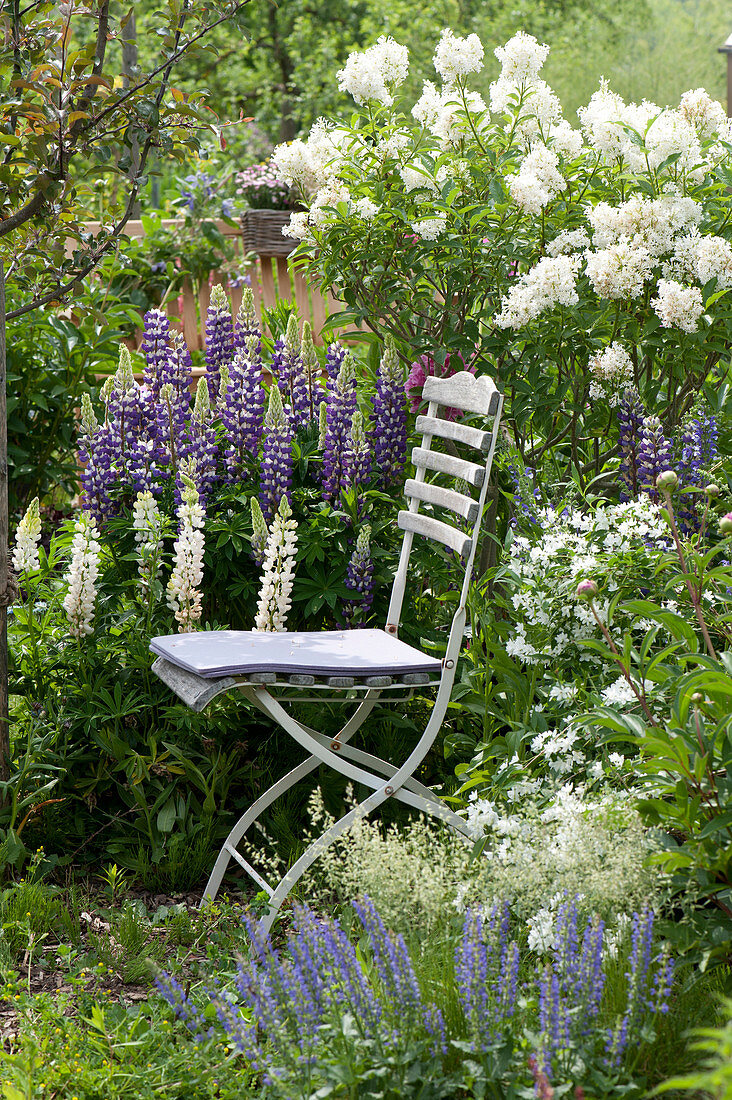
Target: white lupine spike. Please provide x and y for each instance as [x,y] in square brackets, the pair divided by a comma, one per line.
[106,391]
[148,525]
[80,600]
[260,531]
[27,537]
[277,571]
[183,590]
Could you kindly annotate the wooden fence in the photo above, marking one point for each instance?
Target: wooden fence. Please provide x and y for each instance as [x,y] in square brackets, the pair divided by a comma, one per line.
[272,278]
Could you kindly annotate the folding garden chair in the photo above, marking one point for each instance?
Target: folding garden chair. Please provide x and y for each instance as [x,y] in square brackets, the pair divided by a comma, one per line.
[337,665]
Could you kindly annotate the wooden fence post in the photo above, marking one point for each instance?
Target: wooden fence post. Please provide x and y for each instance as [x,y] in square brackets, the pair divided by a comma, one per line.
[727,48]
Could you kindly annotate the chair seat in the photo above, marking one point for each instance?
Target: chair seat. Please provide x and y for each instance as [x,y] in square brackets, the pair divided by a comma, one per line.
[356,653]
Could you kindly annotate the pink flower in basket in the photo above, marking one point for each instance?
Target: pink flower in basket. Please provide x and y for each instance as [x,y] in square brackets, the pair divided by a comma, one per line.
[424,368]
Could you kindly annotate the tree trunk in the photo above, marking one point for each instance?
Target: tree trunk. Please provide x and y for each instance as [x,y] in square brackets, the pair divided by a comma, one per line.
[4,715]
[129,65]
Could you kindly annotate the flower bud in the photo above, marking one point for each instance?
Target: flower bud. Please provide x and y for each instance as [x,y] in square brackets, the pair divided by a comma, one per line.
[697,698]
[712,491]
[725,524]
[667,481]
[587,589]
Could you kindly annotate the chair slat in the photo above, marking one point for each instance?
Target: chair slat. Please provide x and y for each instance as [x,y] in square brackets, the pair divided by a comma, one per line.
[436,529]
[451,429]
[448,464]
[443,498]
[464,391]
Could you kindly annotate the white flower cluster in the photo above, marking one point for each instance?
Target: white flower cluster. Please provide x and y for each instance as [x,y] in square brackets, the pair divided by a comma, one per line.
[533,110]
[183,592]
[447,117]
[587,845]
[429,229]
[27,537]
[278,571]
[81,597]
[148,526]
[537,181]
[653,224]
[551,282]
[706,115]
[678,306]
[455,57]
[569,240]
[612,371]
[620,271]
[376,73]
[310,165]
[549,621]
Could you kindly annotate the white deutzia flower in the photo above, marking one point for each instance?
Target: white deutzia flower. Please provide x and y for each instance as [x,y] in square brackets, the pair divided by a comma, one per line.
[148,526]
[612,371]
[81,578]
[298,226]
[27,537]
[376,73]
[706,115]
[522,58]
[619,694]
[278,571]
[619,271]
[713,257]
[569,240]
[366,209]
[551,282]
[417,178]
[678,306]
[455,57]
[537,181]
[444,113]
[653,224]
[567,141]
[669,134]
[184,597]
[326,200]
[429,229]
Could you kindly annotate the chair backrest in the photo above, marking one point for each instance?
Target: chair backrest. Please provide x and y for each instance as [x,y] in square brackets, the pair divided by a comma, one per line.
[437,471]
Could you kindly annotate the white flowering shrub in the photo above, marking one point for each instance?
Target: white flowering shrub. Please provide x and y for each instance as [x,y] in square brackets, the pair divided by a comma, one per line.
[576,256]
[534,854]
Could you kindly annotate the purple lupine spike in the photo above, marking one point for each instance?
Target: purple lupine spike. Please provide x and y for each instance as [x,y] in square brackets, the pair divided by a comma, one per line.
[698,447]
[631,414]
[655,454]
[389,421]
[360,578]
[219,339]
[311,372]
[287,367]
[276,464]
[242,410]
[157,347]
[357,461]
[334,358]
[200,449]
[339,416]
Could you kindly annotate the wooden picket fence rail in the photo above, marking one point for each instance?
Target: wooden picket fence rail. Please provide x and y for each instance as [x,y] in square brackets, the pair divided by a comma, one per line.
[272,278]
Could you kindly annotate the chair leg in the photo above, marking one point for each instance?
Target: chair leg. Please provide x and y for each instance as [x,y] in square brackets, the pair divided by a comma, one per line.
[248,818]
[251,814]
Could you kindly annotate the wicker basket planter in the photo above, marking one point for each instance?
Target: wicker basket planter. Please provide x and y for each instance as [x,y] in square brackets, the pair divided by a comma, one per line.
[263,232]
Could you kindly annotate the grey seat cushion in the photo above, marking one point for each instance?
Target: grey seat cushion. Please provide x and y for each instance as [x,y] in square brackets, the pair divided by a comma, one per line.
[359,653]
